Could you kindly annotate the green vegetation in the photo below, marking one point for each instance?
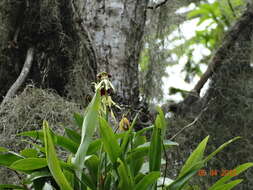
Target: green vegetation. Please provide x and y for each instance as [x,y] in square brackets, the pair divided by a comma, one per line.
[170,41]
[102,159]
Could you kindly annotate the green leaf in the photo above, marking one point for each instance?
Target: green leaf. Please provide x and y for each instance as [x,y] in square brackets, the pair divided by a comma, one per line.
[73,135]
[87,181]
[108,181]
[126,180]
[160,122]
[229,185]
[92,164]
[52,160]
[138,153]
[179,183]
[198,13]
[6,159]
[37,134]
[143,149]
[136,163]
[64,142]
[89,125]
[223,180]
[139,140]
[109,140]
[94,146]
[146,181]
[210,156]
[8,186]
[39,174]
[68,173]
[79,120]
[155,149]
[2,149]
[140,132]
[139,177]
[195,157]
[29,153]
[27,164]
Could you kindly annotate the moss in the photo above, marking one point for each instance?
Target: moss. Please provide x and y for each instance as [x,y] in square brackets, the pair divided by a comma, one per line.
[229,107]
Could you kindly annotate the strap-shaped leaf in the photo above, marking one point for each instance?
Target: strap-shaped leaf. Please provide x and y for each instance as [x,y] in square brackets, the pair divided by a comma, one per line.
[155,150]
[109,140]
[229,185]
[52,160]
[7,158]
[29,164]
[78,119]
[210,156]
[64,142]
[126,180]
[29,153]
[179,183]
[9,186]
[89,125]
[147,180]
[3,149]
[73,135]
[195,157]
[225,179]
[160,122]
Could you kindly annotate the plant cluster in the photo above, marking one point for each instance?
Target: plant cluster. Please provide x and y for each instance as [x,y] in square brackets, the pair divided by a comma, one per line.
[106,159]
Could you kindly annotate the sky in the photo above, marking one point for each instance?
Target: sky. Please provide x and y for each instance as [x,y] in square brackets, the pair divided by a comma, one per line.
[175,75]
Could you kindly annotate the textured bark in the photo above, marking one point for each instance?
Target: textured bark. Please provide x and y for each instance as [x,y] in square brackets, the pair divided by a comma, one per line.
[116,29]
[21,78]
[73,41]
[61,61]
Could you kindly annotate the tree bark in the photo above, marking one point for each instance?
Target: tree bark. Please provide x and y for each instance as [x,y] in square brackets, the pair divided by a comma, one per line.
[21,78]
[74,41]
[116,30]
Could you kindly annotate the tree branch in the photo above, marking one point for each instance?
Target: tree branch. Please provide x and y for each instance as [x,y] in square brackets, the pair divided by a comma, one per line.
[189,125]
[218,58]
[221,53]
[21,78]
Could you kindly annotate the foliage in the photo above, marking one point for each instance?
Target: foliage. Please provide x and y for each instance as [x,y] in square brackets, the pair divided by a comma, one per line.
[170,42]
[108,161]
[213,20]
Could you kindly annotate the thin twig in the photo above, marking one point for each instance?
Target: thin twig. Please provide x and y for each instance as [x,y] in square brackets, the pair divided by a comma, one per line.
[189,125]
[231,8]
[21,78]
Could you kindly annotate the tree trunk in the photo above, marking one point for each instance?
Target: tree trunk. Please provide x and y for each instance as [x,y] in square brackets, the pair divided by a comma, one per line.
[73,41]
[61,60]
[116,29]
